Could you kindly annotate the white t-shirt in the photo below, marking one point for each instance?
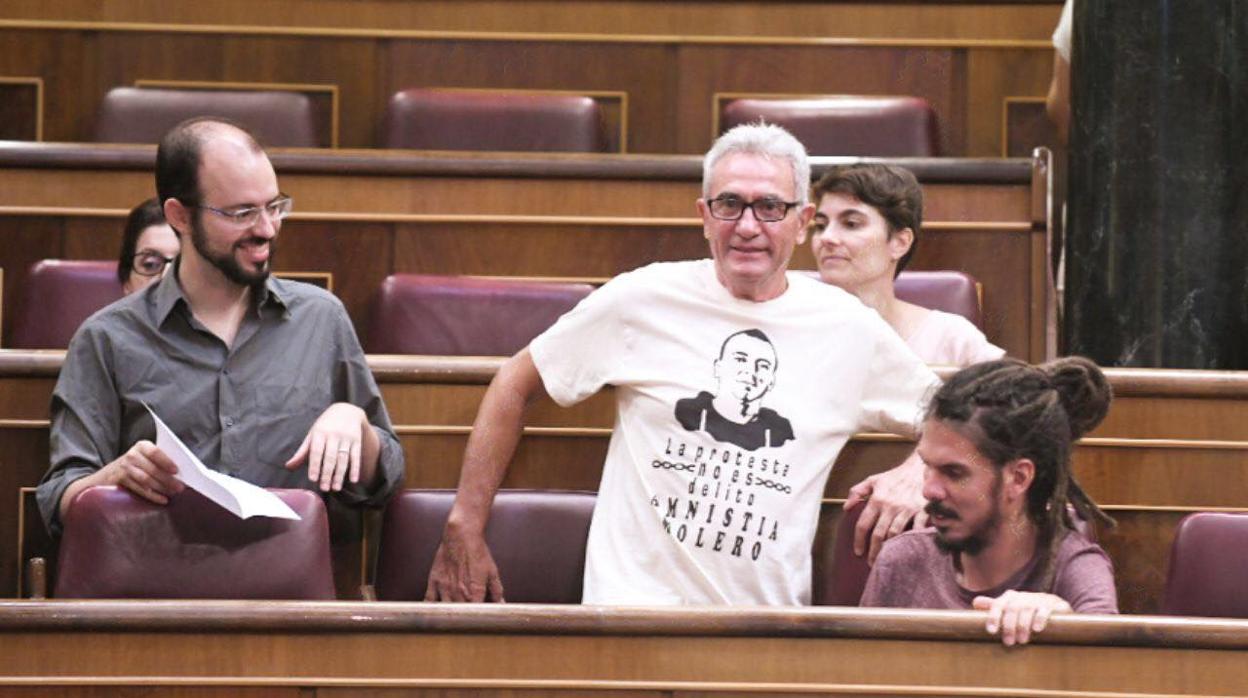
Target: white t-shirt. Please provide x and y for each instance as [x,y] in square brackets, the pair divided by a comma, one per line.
[946,339]
[695,507]
[1065,30]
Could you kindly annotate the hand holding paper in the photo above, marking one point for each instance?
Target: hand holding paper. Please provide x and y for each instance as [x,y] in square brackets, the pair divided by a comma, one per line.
[243,499]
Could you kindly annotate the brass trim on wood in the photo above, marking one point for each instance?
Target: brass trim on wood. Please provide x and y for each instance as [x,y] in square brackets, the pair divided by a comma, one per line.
[530,37]
[768,688]
[209,85]
[1005,119]
[502,219]
[459,430]
[326,277]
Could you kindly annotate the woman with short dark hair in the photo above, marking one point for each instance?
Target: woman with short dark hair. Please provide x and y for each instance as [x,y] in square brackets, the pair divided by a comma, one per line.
[863,234]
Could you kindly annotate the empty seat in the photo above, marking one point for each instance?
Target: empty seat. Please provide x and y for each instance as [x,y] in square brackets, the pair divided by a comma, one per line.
[57,297]
[951,291]
[537,539]
[464,316]
[1208,566]
[143,114]
[116,545]
[846,124]
[431,119]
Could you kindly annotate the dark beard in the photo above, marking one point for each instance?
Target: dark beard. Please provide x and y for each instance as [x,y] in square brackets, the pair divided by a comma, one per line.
[978,539]
[226,263]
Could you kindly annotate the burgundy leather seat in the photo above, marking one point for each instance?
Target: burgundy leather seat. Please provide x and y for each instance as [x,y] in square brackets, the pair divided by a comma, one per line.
[116,545]
[464,316]
[143,114]
[57,297]
[885,126]
[840,575]
[951,291]
[1208,567]
[537,538]
[430,119]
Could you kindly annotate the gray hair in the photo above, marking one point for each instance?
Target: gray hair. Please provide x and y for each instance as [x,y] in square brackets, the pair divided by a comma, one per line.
[768,140]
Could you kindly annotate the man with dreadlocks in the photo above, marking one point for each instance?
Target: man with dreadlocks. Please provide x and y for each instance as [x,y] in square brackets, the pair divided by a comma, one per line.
[996,447]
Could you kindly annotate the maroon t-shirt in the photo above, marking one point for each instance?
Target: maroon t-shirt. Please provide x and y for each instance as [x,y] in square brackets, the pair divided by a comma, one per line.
[911,572]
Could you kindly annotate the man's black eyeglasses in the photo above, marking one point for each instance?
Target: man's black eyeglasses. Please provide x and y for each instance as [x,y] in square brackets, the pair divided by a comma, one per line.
[727,207]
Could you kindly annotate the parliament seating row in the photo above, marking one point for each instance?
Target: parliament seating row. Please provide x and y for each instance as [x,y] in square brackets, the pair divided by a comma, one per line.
[361,216]
[116,545]
[500,120]
[1173,443]
[411,313]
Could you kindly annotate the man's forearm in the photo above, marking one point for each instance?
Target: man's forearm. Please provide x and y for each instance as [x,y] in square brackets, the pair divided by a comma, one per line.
[492,443]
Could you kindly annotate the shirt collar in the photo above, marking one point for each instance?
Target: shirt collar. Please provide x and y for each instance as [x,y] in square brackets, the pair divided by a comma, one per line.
[169,294]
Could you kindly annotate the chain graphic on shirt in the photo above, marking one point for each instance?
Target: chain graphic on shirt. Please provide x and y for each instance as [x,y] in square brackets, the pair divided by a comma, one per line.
[716,511]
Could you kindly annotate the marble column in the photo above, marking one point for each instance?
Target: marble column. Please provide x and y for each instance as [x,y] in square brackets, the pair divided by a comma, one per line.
[1157,244]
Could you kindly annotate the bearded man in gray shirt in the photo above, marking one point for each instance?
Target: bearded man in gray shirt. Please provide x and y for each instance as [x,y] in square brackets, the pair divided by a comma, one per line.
[263,379]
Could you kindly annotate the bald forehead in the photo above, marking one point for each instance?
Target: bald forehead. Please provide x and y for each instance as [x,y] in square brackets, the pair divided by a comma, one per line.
[234,170]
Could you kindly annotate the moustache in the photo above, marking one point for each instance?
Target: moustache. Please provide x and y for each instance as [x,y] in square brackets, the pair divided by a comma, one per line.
[937,509]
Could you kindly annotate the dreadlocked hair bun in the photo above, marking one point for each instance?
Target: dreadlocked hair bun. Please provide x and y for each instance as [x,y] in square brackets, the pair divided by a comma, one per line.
[1084,392]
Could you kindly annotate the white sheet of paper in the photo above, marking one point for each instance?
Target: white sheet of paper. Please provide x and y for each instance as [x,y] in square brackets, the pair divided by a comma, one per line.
[243,499]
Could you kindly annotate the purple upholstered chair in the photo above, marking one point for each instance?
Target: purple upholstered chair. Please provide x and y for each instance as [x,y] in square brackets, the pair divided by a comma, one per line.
[431,119]
[537,538]
[57,296]
[464,316]
[1208,567]
[951,291]
[885,126]
[143,114]
[840,575]
[116,545]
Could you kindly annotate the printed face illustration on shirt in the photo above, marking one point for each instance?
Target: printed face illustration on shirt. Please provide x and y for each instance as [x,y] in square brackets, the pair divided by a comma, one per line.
[746,369]
[744,372]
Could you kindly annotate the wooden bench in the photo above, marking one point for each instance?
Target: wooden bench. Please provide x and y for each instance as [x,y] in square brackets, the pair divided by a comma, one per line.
[361,215]
[368,648]
[1175,442]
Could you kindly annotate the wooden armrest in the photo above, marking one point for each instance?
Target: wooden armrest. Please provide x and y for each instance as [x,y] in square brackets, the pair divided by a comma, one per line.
[37,577]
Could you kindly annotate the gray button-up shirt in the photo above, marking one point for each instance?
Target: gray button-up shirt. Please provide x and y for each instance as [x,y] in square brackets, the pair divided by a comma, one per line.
[242,409]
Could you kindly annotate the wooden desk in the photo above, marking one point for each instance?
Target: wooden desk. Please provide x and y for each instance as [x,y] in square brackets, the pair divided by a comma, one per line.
[332,649]
[361,215]
[1175,442]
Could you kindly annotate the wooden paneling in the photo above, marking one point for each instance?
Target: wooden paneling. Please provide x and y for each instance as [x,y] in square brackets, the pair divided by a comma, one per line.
[361,216]
[668,78]
[1027,127]
[1008,20]
[21,109]
[513,650]
[933,73]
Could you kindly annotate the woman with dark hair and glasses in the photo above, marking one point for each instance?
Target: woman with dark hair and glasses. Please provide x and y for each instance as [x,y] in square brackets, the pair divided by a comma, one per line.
[148,245]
